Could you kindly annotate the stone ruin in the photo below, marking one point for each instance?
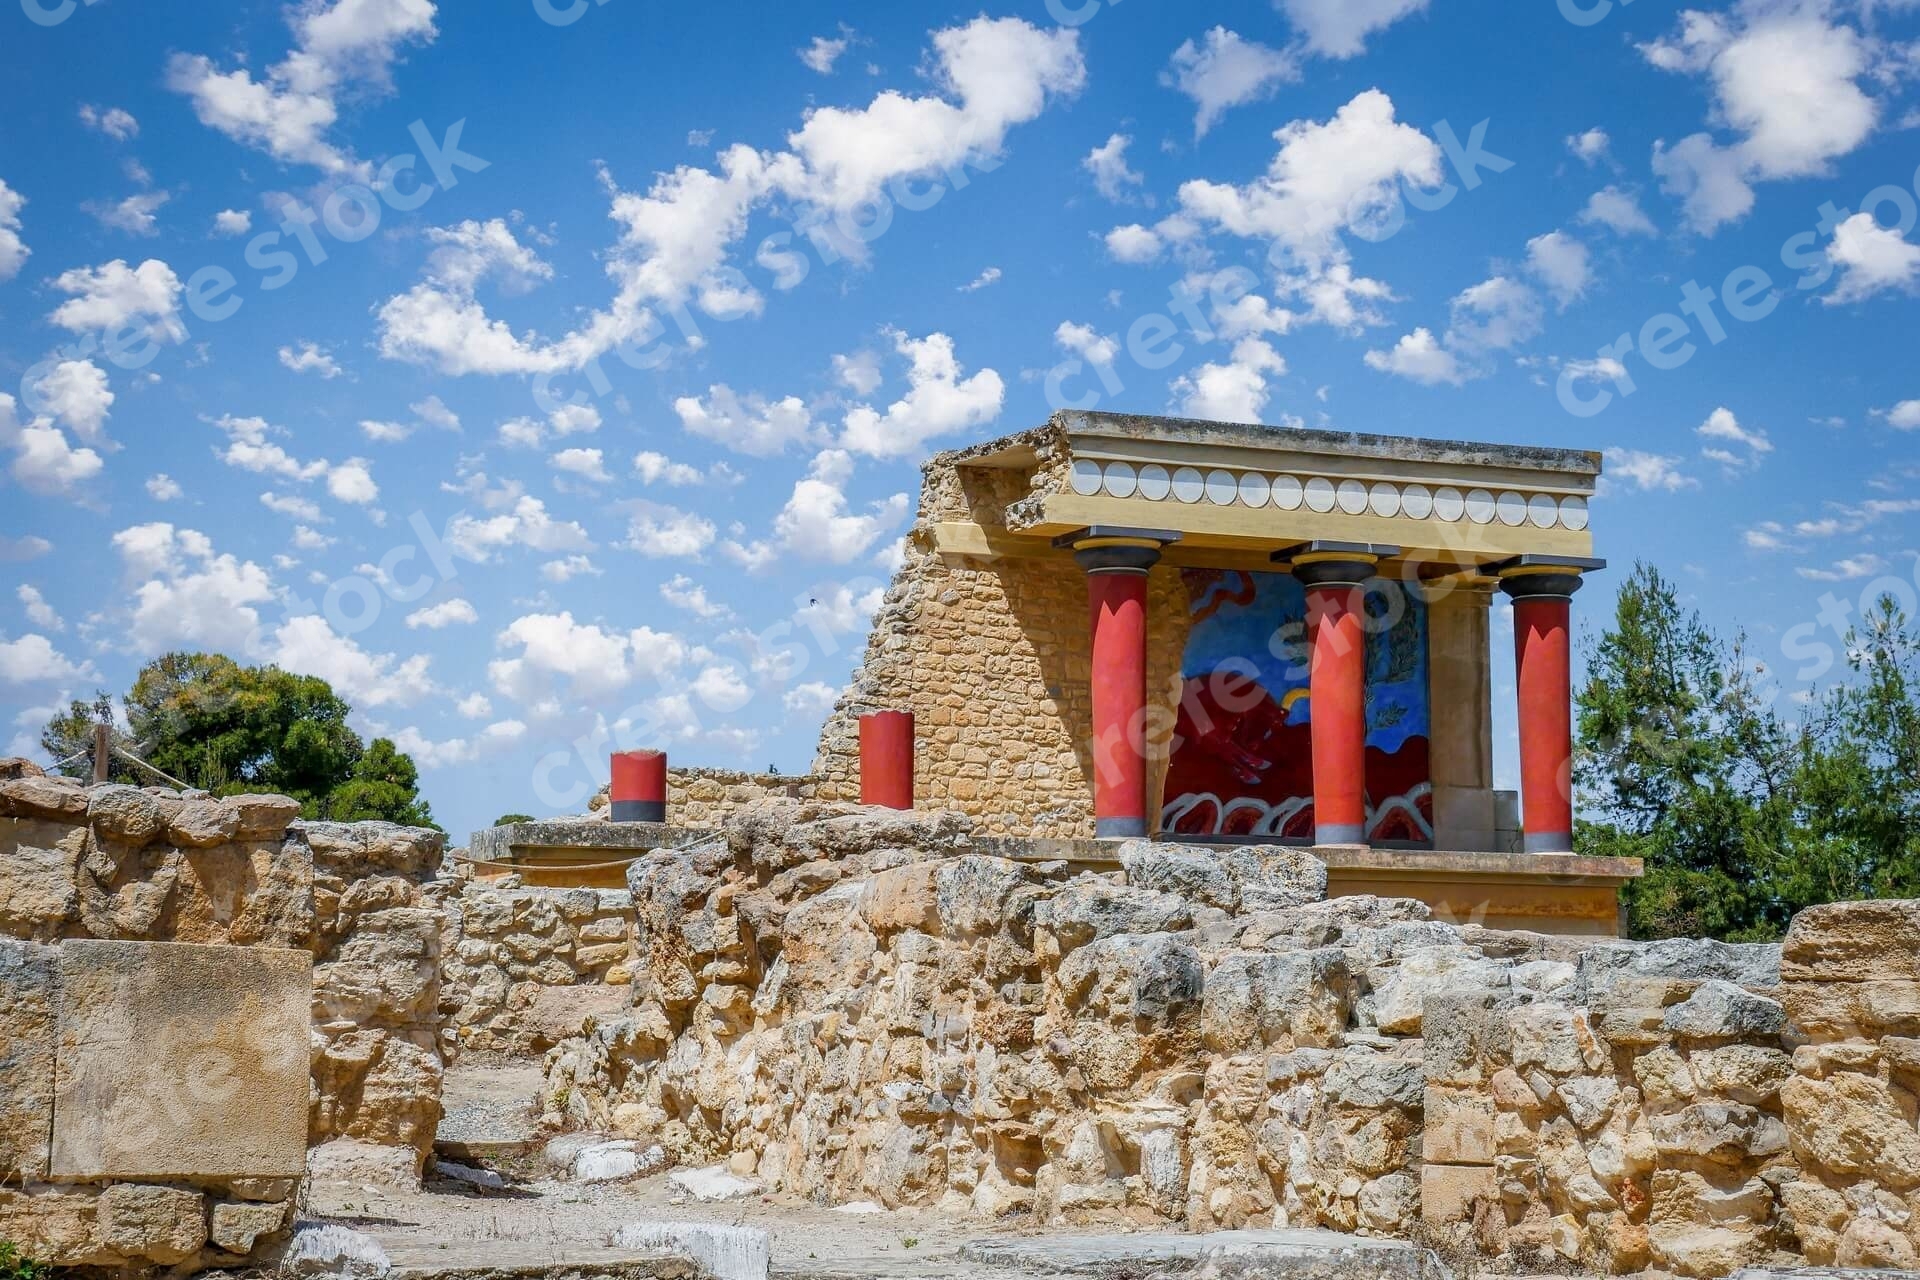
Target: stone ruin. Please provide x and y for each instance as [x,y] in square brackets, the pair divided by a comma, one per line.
[204,1001]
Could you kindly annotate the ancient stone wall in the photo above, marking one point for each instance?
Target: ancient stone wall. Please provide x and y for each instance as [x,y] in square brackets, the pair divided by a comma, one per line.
[191,991]
[992,657]
[860,1005]
[704,798]
[524,966]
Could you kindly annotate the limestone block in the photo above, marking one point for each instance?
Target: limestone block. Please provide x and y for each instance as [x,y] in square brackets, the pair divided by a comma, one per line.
[1851,1125]
[1367,1081]
[1728,1133]
[237,1226]
[1459,1127]
[29,998]
[1747,1073]
[1199,876]
[1284,1000]
[52,1226]
[160,1224]
[1853,942]
[124,813]
[201,824]
[1721,1011]
[558,1012]
[1745,964]
[54,799]
[1401,996]
[1084,913]
[39,876]
[1465,1032]
[388,969]
[1449,1193]
[176,1060]
[1854,1010]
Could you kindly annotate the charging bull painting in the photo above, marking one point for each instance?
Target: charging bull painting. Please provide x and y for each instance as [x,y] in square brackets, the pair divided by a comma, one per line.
[1242,762]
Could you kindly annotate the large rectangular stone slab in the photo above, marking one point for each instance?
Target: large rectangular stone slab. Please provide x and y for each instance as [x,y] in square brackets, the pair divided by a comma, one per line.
[179,1061]
[29,994]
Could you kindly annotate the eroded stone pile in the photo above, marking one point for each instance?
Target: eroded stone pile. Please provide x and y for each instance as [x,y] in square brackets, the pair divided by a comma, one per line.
[857,1005]
[525,966]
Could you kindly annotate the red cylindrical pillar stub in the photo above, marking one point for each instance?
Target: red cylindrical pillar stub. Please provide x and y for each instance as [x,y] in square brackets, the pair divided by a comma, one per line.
[639,791]
[886,759]
[1117,605]
[1543,660]
[1337,696]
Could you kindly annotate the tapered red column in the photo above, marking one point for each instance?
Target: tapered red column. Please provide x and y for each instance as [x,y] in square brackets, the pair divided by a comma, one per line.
[886,759]
[1542,592]
[639,788]
[1334,576]
[1117,562]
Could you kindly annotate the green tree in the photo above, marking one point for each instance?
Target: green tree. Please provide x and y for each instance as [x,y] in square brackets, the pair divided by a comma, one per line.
[511,819]
[71,734]
[226,728]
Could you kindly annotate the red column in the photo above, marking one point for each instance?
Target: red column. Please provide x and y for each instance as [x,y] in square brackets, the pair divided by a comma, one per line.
[886,759]
[639,792]
[1543,661]
[1337,696]
[1117,600]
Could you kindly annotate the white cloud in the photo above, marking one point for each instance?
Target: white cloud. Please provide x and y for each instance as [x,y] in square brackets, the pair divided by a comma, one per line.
[340,49]
[749,424]
[568,568]
[588,464]
[1563,264]
[447,613]
[1112,177]
[77,393]
[816,523]
[991,75]
[31,547]
[834,609]
[1647,471]
[116,122]
[434,412]
[290,505]
[823,53]
[990,276]
[1085,341]
[1590,146]
[938,400]
[859,372]
[566,420]
[43,460]
[38,611]
[1873,259]
[133,215]
[193,597]
[1619,211]
[308,357]
[232,222]
[352,482]
[1850,569]
[1231,392]
[1722,426]
[475,706]
[661,532]
[1904,416]
[1786,80]
[306,539]
[721,688]
[429,754]
[1339,28]
[1134,244]
[658,468]
[162,487]
[526,524]
[683,592]
[112,296]
[594,661]
[13,251]
[1224,72]
[813,698]
[1419,357]
[310,646]
[32,659]
[384,432]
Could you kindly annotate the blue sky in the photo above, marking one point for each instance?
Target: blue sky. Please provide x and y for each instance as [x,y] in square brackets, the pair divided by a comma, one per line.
[601,419]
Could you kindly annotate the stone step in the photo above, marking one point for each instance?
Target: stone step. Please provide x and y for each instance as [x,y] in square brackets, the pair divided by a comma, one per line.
[1273,1255]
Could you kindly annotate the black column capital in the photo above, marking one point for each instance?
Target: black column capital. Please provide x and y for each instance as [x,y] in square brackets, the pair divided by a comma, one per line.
[1117,549]
[1536,577]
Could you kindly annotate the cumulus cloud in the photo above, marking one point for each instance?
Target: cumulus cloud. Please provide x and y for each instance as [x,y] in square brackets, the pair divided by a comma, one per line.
[447,613]
[232,222]
[1646,471]
[593,661]
[133,215]
[1872,259]
[586,464]
[663,532]
[310,646]
[1112,176]
[32,659]
[990,75]
[683,592]
[115,122]
[113,296]
[1618,210]
[525,523]
[822,53]
[1590,146]
[75,392]
[44,461]
[818,523]
[1232,392]
[939,400]
[13,250]
[1225,71]
[749,424]
[1733,446]
[657,468]
[38,611]
[162,487]
[344,48]
[1419,357]
[309,357]
[1339,28]
[1563,264]
[192,597]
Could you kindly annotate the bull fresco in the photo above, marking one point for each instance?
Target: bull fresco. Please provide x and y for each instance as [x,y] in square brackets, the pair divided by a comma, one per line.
[1241,760]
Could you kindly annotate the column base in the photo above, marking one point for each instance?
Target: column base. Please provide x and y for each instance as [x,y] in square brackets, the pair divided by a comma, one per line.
[639,810]
[1548,842]
[1120,828]
[1339,833]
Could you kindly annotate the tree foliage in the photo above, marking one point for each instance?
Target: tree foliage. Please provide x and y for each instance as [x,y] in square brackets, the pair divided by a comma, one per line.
[214,724]
[1742,817]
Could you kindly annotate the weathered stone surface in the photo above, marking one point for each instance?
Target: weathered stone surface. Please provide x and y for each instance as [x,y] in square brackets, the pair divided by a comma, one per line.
[181,1061]
[124,813]
[1084,913]
[1850,1124]
[237,1226]
[39,876]
[29,998]
[262,817]
[1745,964]
[201,824]
[1853,942]
[159,1224]
[1402,990]
[1719,1010]
[55,799]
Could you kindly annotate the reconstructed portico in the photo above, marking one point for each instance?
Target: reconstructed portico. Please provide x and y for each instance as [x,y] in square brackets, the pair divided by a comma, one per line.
[1117,626]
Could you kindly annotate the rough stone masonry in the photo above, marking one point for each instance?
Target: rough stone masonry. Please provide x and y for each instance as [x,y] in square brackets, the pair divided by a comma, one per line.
[867,1005]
